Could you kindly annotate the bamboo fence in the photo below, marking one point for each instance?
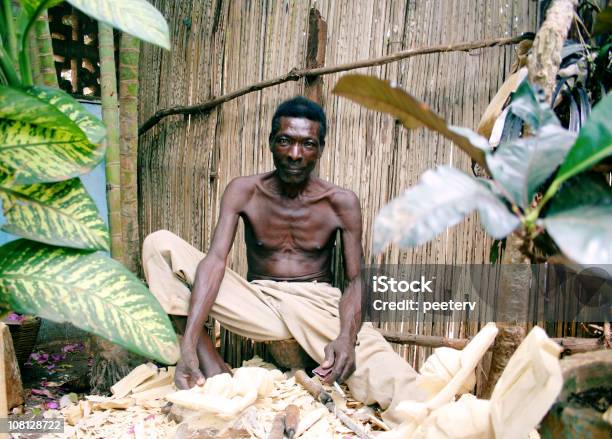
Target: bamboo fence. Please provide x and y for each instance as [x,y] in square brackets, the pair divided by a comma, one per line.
[219,46]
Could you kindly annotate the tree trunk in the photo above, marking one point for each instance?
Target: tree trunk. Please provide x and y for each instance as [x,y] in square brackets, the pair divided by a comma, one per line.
[545,54]
[110,362]
[129,51]
[45,51]
[513,302]
[512,305]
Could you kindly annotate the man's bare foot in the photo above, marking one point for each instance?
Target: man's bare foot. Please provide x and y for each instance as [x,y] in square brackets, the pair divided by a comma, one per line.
[211,363]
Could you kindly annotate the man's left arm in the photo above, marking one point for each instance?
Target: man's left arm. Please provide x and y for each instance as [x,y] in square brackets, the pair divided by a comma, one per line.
[340,353]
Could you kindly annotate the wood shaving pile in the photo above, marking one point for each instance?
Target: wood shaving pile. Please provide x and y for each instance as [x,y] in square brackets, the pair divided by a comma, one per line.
[132,413]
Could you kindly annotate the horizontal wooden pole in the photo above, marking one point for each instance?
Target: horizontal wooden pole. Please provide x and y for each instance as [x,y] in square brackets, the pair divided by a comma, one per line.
[571,345]
[296,74]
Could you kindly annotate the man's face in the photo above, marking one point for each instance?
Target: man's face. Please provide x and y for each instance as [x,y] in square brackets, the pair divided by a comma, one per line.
[296,149]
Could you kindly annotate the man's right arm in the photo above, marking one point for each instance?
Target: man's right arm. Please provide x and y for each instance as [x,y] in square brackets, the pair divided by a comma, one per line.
[211,269]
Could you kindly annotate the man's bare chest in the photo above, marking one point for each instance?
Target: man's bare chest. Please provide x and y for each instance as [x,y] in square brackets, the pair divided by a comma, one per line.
[291,225]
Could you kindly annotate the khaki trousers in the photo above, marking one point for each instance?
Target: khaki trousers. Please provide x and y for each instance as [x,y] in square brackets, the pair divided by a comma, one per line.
[266,310]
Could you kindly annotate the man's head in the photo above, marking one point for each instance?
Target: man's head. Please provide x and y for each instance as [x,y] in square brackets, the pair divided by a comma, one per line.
[300,107]
[297,138]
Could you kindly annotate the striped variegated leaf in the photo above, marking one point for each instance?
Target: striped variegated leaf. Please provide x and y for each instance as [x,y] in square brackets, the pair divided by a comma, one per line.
[135,17]
[90,125]
[39,143]
[89,290]
[19,105]
[36,154]
[59,213]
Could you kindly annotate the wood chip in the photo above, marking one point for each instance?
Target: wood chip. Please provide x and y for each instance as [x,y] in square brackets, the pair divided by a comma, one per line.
[309,419]
[120,403]
[136,377]
[163,378]
[154,393]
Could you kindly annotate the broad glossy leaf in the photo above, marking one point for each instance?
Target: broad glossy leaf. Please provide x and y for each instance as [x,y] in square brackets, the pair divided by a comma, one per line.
[60,214]
[526,105]
[379,95]
[136,17]
[496,106]
[580,220]
[93,292]
[593,144]
[522,165]
[90,125]
[441,199]
[39,143]
[19,105]
[37,154]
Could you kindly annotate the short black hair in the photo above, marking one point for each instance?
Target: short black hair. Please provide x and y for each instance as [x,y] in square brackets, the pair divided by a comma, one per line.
[300,106]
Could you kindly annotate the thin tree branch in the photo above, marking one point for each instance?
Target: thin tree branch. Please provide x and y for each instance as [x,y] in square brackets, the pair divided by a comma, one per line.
[296,74]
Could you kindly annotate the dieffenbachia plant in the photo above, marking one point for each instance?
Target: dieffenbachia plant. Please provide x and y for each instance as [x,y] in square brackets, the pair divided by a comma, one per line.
[47,140]
[575,208]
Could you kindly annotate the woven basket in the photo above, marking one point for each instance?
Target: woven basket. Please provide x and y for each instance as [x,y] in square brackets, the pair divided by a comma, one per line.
[24,338]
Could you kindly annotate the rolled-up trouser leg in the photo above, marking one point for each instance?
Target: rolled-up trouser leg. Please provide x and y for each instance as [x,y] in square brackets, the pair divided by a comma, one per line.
[170,265]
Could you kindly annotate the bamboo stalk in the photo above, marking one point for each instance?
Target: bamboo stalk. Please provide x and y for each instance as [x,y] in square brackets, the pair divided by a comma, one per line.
[35,61]
[45,51]
[129,51]
[296,74]
[110,116]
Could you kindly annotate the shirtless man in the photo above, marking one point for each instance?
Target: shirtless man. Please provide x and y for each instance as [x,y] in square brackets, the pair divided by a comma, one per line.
[290,219]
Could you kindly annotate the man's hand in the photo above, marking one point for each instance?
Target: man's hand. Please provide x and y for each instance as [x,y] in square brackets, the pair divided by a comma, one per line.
[187,373]
[339,363]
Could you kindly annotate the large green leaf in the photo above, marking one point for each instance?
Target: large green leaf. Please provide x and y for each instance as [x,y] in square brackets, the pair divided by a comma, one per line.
[526,105]
[522,165]
[91,291]
[441,199]
[136,17]
[19,105]
[580,220]
[594,142]
[60,214]
[39,143]
[379,95]
[90,125]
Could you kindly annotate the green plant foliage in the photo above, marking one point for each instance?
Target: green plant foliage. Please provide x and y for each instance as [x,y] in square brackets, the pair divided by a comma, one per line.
[39,143]
[441,199]
[91,291]
[594,142]
[603,22]
[87,123]
[376,94]
[521,166]
[136,17]
[526,105]
[61,214]
[580,220]
[47,139]
[20,106]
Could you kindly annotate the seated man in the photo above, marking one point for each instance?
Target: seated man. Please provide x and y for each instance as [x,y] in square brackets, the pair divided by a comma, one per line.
[290,219]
